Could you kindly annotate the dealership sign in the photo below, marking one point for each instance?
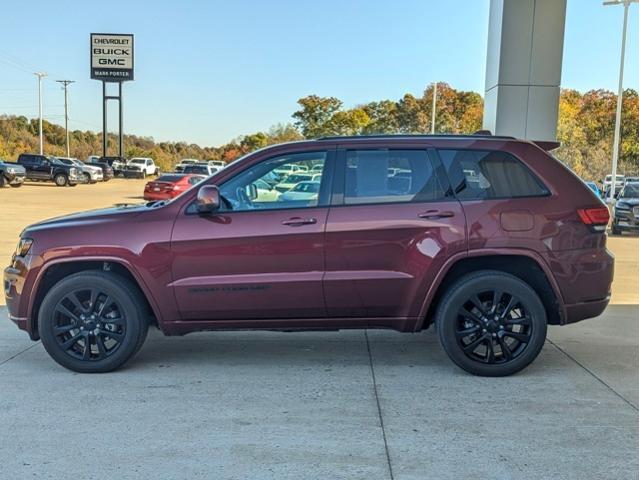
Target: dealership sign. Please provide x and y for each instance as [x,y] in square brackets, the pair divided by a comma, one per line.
[111,57]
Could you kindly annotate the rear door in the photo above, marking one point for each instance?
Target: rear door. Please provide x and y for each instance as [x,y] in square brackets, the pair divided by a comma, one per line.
[392,224]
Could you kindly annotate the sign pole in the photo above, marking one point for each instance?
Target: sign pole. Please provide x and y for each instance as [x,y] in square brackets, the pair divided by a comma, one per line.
[121,117]
[104,119]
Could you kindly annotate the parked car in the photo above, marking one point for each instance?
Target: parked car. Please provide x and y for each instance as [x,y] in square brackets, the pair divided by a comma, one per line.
[286,170]
[89,173]
[626,210]
[289,182]
[107,170]
[201,169]
[170,186]
[219,164]
[11,174]
[117,164]
[630,180]
[265,191]
[491,263]
[49,169]
[179,168]
[140,168]
[594,187]
[303,191]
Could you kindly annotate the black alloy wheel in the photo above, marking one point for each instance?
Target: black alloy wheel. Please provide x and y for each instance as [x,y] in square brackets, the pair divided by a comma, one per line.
[93,321]
[89,324]
[491,323]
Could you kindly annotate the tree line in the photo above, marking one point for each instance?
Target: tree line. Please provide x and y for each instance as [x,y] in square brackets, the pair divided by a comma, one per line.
[585,129]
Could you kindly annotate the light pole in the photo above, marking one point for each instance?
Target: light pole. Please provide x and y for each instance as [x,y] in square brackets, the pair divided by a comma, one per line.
[433,114]
[65,84]
[40,76]
[615,146]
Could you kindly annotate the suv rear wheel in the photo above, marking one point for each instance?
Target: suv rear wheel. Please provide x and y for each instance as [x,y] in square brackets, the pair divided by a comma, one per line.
[92,322]
[491,323]
[61,180]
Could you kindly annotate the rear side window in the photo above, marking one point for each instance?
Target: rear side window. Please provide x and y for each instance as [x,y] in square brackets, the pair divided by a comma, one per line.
[390,176]
[481,174]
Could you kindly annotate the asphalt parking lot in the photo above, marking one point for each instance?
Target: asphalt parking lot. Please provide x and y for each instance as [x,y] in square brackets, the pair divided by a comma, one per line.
[335,405]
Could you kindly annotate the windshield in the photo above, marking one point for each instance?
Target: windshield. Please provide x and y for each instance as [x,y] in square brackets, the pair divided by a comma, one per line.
[138,160]
[630,191]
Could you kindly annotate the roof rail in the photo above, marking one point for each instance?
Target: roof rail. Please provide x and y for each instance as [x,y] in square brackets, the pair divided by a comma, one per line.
[416,135]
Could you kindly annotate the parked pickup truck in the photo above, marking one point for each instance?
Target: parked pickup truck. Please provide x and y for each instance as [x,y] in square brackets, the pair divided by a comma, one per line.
[11,173]
[49,169]
[140,168]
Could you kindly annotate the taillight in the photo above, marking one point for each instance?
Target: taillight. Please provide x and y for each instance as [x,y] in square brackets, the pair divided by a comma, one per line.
[597,217]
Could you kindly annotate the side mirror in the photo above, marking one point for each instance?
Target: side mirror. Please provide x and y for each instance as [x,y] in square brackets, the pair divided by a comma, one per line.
[208,199]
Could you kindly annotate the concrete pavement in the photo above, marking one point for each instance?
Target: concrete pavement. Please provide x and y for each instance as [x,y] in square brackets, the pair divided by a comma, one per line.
[336,405]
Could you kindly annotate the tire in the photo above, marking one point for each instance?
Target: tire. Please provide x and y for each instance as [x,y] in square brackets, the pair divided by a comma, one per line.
[143,175]
[2,180]
[87,178]
[520,327]
[61,180]
[615,230]
[115,328]
[15,185]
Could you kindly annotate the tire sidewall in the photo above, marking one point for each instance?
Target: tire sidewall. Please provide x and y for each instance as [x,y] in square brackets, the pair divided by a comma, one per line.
[113,285]
[461,291]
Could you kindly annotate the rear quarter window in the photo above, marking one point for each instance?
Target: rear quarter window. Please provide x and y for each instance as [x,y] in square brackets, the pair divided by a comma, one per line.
[485,174]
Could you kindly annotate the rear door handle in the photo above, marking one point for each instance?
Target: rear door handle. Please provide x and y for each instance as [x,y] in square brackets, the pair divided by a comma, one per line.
[298,221]
[435,214]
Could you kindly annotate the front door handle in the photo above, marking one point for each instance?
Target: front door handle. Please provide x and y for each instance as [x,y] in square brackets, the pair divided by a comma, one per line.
[299,221]
[435,214]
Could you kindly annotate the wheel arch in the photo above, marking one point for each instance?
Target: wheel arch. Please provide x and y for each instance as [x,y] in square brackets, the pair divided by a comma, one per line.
[53,272]
[523,264]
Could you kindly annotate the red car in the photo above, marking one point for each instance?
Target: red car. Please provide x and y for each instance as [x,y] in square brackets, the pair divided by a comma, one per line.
[170,185]
[488,238]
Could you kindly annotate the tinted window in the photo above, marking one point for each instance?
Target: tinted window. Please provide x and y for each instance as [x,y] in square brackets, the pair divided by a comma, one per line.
[382,176]
[476,174]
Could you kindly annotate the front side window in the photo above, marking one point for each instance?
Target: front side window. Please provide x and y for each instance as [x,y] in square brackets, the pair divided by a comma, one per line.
[274,184]
[480,174]
[390,176]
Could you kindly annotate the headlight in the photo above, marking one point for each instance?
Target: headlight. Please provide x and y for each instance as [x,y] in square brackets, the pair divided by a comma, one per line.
[24,245]
[11,170]
[622,206]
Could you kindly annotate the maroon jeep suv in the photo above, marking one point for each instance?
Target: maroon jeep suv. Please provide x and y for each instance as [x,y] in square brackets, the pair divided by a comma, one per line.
[489,239]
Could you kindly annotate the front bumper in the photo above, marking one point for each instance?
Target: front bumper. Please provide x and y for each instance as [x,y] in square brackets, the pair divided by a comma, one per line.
[626,219]
[133,173]
[17,285]
[15,179]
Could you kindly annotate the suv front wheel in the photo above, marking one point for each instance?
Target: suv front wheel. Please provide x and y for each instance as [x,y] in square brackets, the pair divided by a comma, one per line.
[92,322]
[491,323]
[61,180]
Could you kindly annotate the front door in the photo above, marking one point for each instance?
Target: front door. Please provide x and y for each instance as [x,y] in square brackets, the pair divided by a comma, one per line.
[392,225]
[261,256]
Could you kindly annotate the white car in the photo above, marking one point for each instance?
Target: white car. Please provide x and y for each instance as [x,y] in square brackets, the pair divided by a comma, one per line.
[265,193]
[140,167]
[301,191]
[219,164]
[88,173]
[286,170]
[292,180]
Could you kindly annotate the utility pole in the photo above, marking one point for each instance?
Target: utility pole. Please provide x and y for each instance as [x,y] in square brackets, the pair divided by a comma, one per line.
[40,76]
[65,84]
[615,147]
[432,120]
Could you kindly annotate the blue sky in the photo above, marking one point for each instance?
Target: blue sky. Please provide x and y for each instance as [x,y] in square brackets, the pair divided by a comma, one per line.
[209,71]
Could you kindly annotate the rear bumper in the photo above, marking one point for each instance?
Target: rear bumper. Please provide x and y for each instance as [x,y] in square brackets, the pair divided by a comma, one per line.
[584,278]
[157,196]
[582,311]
